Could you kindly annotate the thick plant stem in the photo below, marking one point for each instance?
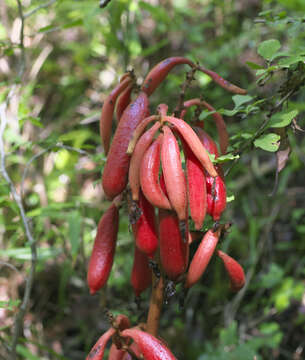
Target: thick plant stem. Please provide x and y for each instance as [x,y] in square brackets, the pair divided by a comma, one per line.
[155,307]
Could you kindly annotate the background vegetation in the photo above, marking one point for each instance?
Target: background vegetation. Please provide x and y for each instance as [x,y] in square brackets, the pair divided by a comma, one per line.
[59,60]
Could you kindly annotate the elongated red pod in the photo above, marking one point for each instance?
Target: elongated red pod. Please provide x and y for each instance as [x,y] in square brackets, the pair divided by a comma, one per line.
[225,84]
[122,322]
[159,72]
[123,101]
[149,176]
[173,248]
[150,347]
[202,257]
[173,173]
[97,352]
[234,270]
[196,185]
[219,121]
[107,113]
[206,140]
[144,229]
[193,142]
[101,259]
[115,175]
[141,274]
[216,194]
[136,159]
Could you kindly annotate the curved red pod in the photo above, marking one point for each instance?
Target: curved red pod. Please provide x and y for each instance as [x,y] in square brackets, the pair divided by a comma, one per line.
[136,159]
[101,259]
[97,352]
[206,140]
[173,173]
[107,113]
[216,194]
[144,229]
[149,176]
[173,248]
[123,101]
[234,270]
[150,347]
[202,257]
[141,274]
[190,137]
[159,72]
[196,185]
[216,188]
[115,174]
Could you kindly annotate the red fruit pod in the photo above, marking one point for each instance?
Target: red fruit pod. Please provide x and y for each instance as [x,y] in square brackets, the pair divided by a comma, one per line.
[149,176]
[159,72]
[173,248]
[173,173]
[107,113]
[225,84]
[136,159]
[206,140]
[101,259]
[144,229]
[123,101]
[115,174]
[196,186]
[141,275]
[193,142]
[97,352]
[150,347]
[216,194]
[202,257]
[234,270]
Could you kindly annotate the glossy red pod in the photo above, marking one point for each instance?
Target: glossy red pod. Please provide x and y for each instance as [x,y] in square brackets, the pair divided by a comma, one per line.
[123,101]
[150,347]
[141,274]
[173,173]
[216,194]
[159,72]
[202,257]
[106,118]
[101,259]
[174,250]
[97,352]
[115,174]
[149,176]
[145,231]
[196,186]
[234,270]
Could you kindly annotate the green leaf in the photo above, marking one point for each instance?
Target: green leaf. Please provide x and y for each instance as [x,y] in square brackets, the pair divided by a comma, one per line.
[282,120]
[26,354]
[268,48]
[290,60]
[241,99]
[268,142]
[227,157]
[74,23]
[252,65]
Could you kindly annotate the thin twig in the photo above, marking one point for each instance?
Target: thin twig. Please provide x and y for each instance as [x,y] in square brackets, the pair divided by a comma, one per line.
[42,6]
[21,40]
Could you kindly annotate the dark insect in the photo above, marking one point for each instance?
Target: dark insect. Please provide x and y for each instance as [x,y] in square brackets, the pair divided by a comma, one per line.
[170,290]
[155,268]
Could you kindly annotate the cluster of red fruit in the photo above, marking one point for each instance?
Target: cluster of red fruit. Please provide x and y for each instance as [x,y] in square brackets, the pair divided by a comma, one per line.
[145,153]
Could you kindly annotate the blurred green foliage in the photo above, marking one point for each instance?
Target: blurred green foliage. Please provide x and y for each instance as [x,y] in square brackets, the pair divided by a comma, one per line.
[75,53]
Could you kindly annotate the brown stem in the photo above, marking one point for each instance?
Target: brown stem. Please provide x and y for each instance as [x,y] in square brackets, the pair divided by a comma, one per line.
[155,306]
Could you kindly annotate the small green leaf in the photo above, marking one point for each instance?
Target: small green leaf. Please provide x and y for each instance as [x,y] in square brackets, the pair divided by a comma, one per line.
[26,354]
[9,304]
[282,120]
[74,23]
[268,48]
[241,99]
[253,65]
[268,142]
[290,60]
[226,158]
